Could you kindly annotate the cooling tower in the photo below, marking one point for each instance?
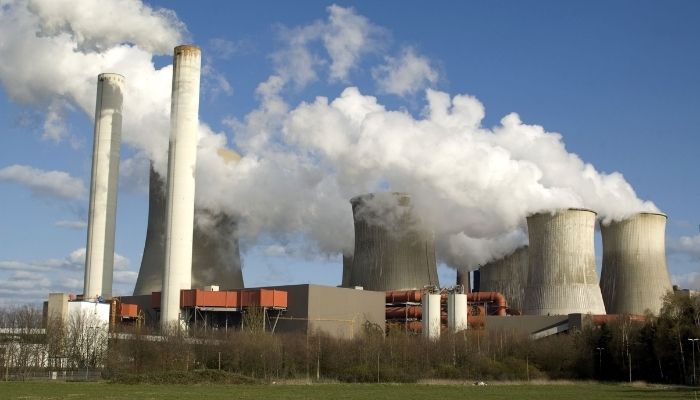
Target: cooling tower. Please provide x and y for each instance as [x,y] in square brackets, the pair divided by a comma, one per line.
[561,265]
[347,270]
[463,279]
[179,195]
[215,254]
[507,276]
[634,276]
[392,249]
[99,250]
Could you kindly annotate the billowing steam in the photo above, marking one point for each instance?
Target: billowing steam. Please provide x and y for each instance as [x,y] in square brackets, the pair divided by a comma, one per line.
[300,165]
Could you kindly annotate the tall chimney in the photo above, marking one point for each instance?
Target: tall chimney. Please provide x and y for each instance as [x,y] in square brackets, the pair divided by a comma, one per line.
[99,250]
[182,159]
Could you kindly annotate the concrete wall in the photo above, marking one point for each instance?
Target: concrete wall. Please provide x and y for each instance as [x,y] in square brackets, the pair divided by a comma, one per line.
[393,250]
[561,265]
[339,312]
[507,276]
[635,276]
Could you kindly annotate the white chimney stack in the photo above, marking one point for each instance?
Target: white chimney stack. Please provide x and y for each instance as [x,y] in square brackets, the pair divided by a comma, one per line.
[182,159]
[99,251]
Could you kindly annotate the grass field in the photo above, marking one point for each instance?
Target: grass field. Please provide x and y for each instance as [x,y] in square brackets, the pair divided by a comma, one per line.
[104,391]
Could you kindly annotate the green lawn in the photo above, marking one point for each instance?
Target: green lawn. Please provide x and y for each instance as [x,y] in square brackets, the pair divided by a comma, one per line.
[104,391]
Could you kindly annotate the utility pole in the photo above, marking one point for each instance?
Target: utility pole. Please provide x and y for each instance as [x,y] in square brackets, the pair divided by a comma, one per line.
[692,342]
[600,359]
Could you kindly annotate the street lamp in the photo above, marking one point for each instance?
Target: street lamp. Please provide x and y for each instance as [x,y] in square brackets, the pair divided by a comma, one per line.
[600,359]
[692,342]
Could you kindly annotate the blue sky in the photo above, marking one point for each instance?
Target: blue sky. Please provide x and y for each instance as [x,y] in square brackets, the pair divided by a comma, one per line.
[617,80]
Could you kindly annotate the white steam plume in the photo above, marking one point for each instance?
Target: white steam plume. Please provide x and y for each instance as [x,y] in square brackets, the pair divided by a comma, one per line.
[474,186]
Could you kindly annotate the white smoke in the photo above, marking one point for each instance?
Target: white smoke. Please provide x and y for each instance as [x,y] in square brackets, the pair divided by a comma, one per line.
[473,185]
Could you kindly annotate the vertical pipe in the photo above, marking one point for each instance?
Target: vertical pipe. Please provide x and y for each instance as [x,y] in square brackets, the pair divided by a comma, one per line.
[456,312]
[182,158]
[99,250]
[431,315]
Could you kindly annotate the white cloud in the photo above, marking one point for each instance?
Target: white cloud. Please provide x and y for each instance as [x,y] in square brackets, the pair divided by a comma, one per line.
[225,49]
[78,225]
[686,245]
[152,30]
[405,75]
[45,183]
[29,281]
[347,37]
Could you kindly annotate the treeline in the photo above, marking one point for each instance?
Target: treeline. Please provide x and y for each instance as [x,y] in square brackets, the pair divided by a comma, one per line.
[656,351]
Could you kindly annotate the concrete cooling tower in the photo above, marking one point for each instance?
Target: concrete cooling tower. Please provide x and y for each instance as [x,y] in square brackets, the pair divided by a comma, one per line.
[392,249]
[347,270]
[508,276]
[561,267]
[634,276]
[215,255]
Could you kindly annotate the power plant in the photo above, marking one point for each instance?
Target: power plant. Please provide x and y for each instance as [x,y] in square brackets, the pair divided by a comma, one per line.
[99,251]
[634,277]
[507,275]
[191,277]
[561,276]
[216,258]
[393,250]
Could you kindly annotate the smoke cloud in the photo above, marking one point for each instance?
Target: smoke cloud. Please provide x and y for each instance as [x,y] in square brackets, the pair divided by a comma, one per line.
[300,164]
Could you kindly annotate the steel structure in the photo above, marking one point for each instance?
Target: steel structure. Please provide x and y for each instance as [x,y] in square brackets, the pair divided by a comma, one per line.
[634,277]
[561,264]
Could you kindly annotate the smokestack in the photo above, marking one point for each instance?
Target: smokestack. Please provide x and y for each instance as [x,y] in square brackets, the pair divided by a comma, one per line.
[561,268]
[216,258]
[463,279]
[99,251]
[634,277]
[392,250]
[182,159]
[507,276]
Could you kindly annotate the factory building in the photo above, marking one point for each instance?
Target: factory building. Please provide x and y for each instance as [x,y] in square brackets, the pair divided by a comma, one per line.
[634,277]
[561,275]
[507,275]
[393,250]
